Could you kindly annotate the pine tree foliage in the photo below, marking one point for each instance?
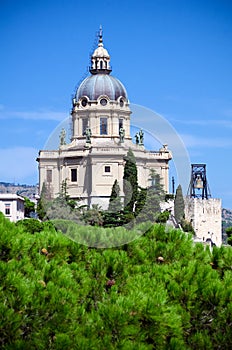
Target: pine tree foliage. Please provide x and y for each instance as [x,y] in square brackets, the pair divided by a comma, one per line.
[229,235]
[179,205]
[130,182]
[29,207]
[62,207]
[93,216]
[57,294]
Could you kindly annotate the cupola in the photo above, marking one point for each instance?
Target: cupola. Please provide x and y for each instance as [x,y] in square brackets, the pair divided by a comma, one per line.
[100,58]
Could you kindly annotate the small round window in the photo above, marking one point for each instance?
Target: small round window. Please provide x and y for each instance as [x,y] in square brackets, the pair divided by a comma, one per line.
[103,102]
[121,103]
[84,102]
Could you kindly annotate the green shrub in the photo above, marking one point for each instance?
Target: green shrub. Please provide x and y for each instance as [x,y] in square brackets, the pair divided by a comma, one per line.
[31,225]
[58,294]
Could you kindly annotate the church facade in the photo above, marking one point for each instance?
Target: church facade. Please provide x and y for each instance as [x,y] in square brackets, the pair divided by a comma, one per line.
[101,138]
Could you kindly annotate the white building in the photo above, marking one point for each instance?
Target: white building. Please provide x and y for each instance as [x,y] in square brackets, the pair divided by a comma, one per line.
[94,158]
[12,206]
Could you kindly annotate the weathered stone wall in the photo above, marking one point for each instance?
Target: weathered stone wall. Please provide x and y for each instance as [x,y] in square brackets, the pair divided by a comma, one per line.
[205,216]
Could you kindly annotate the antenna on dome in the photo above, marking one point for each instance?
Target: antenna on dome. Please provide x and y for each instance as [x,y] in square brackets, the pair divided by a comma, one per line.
[100,34]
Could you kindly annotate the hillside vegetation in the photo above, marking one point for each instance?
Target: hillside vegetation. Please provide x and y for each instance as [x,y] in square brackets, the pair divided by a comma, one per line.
[158,292]
[22,190]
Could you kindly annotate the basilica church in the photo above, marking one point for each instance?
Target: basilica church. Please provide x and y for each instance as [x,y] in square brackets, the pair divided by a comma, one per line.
[95,156]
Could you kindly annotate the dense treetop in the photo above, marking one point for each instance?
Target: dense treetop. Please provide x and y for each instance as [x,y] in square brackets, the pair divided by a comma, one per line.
[160,291]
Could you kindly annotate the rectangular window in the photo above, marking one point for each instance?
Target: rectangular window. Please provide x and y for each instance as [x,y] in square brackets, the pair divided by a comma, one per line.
[107,169]
[85,123]
[7,209]
[120,125]
[74,175]
[103,126]
[49,175]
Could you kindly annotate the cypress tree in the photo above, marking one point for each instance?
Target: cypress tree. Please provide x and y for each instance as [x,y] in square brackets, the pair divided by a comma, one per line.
[141,200]
[152,198]
[130,182]
[64,198]
[179,205]
[42,203]
[115,201]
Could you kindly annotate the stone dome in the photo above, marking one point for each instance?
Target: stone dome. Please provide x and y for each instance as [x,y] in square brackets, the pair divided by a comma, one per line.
[101,84]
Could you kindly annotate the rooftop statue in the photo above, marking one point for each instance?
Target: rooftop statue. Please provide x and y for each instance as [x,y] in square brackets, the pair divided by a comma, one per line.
[88,134]
[62,137]
[122,135]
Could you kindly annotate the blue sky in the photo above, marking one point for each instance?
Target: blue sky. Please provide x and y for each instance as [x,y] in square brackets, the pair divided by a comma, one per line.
[174,57]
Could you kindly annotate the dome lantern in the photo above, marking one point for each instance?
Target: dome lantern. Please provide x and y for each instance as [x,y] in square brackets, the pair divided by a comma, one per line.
[100,58]
[101,82]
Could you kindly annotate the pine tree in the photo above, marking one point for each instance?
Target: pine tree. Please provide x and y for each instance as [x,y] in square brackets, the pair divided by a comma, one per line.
[179,205]
[29,207]
[160,291]
[115,201]
[130,182]
[229,235]
[93,216]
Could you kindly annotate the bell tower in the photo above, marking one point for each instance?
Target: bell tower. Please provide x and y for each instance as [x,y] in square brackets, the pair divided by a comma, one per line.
[199,187]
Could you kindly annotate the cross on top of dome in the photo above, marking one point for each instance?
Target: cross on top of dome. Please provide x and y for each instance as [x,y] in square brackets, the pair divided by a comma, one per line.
[100,58]
[100,37]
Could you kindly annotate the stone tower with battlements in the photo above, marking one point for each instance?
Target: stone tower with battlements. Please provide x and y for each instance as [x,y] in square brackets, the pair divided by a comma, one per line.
[201,210]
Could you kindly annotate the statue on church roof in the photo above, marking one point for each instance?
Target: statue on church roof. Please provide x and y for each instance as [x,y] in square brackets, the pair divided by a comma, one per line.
[137,138]
[88,134]
[141,137]
[121,135]
[62,137]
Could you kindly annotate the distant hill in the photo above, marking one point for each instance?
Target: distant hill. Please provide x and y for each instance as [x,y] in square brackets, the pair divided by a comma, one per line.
[227,215]
[226,221]
[23,190]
